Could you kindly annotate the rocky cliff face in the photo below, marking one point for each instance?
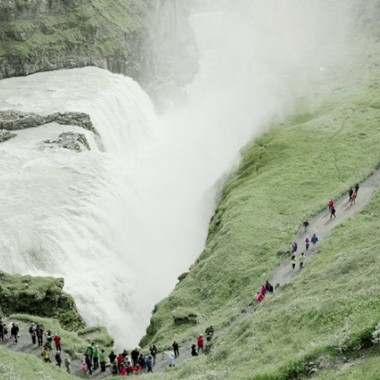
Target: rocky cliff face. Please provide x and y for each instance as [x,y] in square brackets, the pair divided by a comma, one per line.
[132,37]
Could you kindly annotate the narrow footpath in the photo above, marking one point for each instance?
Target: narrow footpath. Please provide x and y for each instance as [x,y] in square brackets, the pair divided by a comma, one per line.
[321,225]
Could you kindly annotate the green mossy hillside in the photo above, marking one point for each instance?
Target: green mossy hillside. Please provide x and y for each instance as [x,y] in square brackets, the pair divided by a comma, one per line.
[44,35]
[42,296]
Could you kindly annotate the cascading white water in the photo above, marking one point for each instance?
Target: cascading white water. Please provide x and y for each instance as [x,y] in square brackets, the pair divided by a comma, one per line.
[120,225]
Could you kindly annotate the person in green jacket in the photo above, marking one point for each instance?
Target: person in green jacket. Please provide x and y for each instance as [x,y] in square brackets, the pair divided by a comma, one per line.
[95,357]
[102,360]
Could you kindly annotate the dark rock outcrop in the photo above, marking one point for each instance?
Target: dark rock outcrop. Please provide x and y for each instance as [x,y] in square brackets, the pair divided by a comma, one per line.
[6,135]
[70,140]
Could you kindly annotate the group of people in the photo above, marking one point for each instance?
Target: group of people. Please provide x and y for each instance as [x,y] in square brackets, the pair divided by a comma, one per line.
[267,287]
[36,332]
[4,331]
[352,195]
[123,364]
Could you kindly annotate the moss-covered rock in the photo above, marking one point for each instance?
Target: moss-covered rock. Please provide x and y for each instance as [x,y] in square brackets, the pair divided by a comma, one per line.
[42,296]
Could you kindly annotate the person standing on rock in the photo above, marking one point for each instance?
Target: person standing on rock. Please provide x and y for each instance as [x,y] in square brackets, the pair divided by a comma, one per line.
[314,239]
[301,260]
[293,260]
[332,212]
[175,349]
[307,243]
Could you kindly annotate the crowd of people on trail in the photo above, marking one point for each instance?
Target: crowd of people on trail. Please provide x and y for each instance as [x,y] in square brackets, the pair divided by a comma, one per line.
[13,329]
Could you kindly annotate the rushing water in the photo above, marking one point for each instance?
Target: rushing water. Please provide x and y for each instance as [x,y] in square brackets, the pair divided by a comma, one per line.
[121,223]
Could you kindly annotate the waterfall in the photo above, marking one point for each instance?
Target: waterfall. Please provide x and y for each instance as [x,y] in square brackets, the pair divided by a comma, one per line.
[121,223]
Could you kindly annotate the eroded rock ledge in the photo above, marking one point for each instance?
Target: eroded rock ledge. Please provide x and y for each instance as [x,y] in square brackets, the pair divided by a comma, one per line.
[70,140]
[17,120]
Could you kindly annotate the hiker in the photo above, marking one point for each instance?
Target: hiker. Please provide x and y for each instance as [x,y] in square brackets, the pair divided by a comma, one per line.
[350,192]
[175,349]
[85,368]
[135,356]
[269,287]
[142,361]
[67,363]
[194,350]
[46,354]
[40,334]
[332,212]
[5,333]
[305,226]
[314,240]
[32,332]
[58,358]
[209,333]
[49,337]
[57,342]
[353,198]
[112,357]
[171,360]
[356,188]
[263,289]
[88,358]
[200,343]
[153,351]
[14,331]
[293,260]
[1,330]
[331,204]
[294,248]
[307,243]
[114,368]
[102,360]
[259,297]
[95,357]
[149,362]
[301,260]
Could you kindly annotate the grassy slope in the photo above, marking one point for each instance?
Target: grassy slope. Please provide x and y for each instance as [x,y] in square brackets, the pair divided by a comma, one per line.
[286,175]
[16,365]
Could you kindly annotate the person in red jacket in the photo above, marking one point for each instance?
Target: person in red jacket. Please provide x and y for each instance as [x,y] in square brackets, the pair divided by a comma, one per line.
[200,343]
[57,342]
[259,297]
[331,204]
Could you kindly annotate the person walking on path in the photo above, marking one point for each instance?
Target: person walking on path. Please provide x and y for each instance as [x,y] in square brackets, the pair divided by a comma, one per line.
[269,287]
[293,260]
[350,192]
[102,360]
[14,331]
[356,188]
[307,243]
[40,334]
[194,350]
[305,226]
[58,358]
[331,204]
[353,198]
[332,212]
[294,247]
[200,343]
[263,289]
[314,239]
[259,297]
[149,363]
[57,342]
[46,354]
[153,352]
[301,260]
[171,360]
[67,363]
[32,332]
[175,349]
